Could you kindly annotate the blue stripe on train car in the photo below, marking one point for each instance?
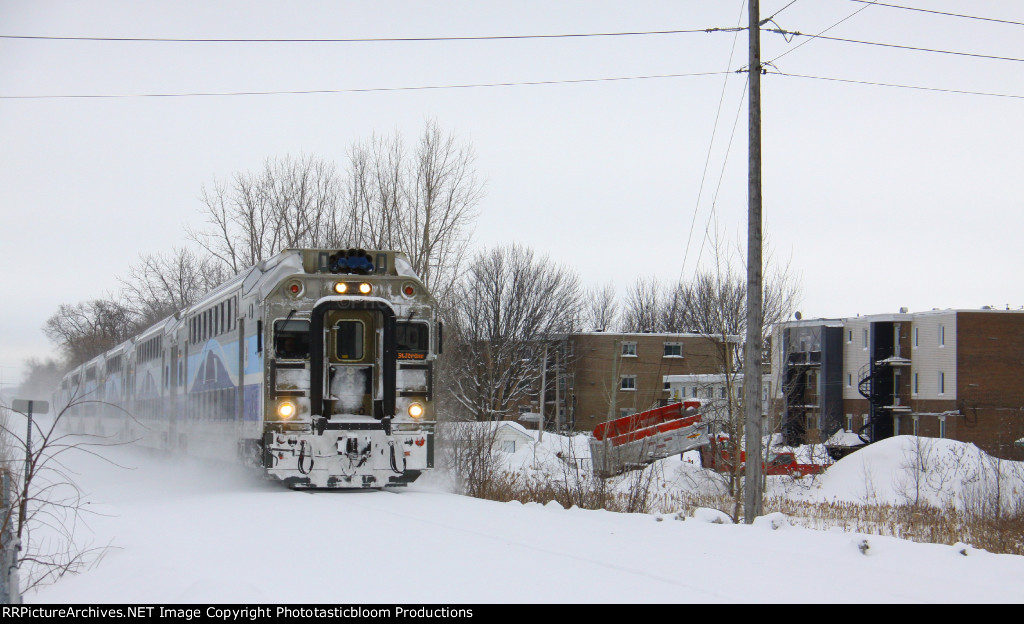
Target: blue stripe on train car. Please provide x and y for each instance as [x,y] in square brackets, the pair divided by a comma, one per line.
[251,402]
[254,359]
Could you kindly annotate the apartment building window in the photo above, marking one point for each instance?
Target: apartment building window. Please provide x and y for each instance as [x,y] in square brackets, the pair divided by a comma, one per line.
[917,337]
[849,380]
[942,426]
[722,392]
[673,349]
[849,422]
[694,392]
[849,336]
[626,411]
[915,383]
[629,349]
[865,338]
[942,382]
[668,385]
[917,425]
[942,335]
[628,382]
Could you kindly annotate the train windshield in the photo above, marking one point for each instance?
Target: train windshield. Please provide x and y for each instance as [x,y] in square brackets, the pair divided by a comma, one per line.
[412,337]
[291,339]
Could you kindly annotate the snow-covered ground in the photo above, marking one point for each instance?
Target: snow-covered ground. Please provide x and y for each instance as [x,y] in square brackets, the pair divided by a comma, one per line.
[899,470]
[183,531]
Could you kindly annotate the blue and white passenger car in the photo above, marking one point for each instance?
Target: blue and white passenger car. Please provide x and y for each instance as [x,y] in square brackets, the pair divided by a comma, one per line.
[315,365]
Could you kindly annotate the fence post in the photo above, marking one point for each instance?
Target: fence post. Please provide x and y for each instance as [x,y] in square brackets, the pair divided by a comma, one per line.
[9,593]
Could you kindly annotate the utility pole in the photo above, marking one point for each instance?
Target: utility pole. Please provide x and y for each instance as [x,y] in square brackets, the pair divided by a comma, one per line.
[752,503]
[614,400]
[558,398]
[543,382]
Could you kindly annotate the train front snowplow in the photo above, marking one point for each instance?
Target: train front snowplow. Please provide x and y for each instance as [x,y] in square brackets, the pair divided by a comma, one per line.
[633,441]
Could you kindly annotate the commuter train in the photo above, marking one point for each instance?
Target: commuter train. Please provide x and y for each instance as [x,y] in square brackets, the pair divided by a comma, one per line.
[317,366]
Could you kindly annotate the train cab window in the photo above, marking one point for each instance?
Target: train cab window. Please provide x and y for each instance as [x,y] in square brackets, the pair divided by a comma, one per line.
[291,339]
[349,340]
[414,337]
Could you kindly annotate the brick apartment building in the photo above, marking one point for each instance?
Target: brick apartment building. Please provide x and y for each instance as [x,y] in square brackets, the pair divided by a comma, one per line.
[606,375]
[955,374]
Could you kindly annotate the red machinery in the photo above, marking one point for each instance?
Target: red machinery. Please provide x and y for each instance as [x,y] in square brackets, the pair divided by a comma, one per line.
[638,439]
[717,455]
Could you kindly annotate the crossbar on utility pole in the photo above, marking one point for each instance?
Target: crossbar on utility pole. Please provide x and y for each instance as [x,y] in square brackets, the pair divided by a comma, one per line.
[752,353]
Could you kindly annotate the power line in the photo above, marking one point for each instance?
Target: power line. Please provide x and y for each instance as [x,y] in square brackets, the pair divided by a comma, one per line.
[714,201]
[711,144]
[900,86]
[799,45]
[973,17]
[891,45]
[367,39]
[367,90]
[768,19]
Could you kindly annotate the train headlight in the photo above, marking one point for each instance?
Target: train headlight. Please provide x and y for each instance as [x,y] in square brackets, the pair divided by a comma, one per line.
[365,288]
[341,288]
[415,410]
[286,409]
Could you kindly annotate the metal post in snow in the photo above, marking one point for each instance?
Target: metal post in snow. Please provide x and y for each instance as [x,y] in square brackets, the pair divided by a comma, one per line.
[28,445]
[543,381]
[752,354]
[9,590]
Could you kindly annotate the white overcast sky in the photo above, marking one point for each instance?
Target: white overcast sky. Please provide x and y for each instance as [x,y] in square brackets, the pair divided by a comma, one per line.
[879,197]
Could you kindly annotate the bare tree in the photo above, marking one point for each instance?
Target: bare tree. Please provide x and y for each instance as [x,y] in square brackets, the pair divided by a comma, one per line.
[601,308]
[916,468]
[641,310]
[441,208]
[375,190]
[48,509]
[156,287]
[469,456]
[291,202]
[84,330]
[510,303]
[672,315]
[714,305]
[161,284]
[423,202]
